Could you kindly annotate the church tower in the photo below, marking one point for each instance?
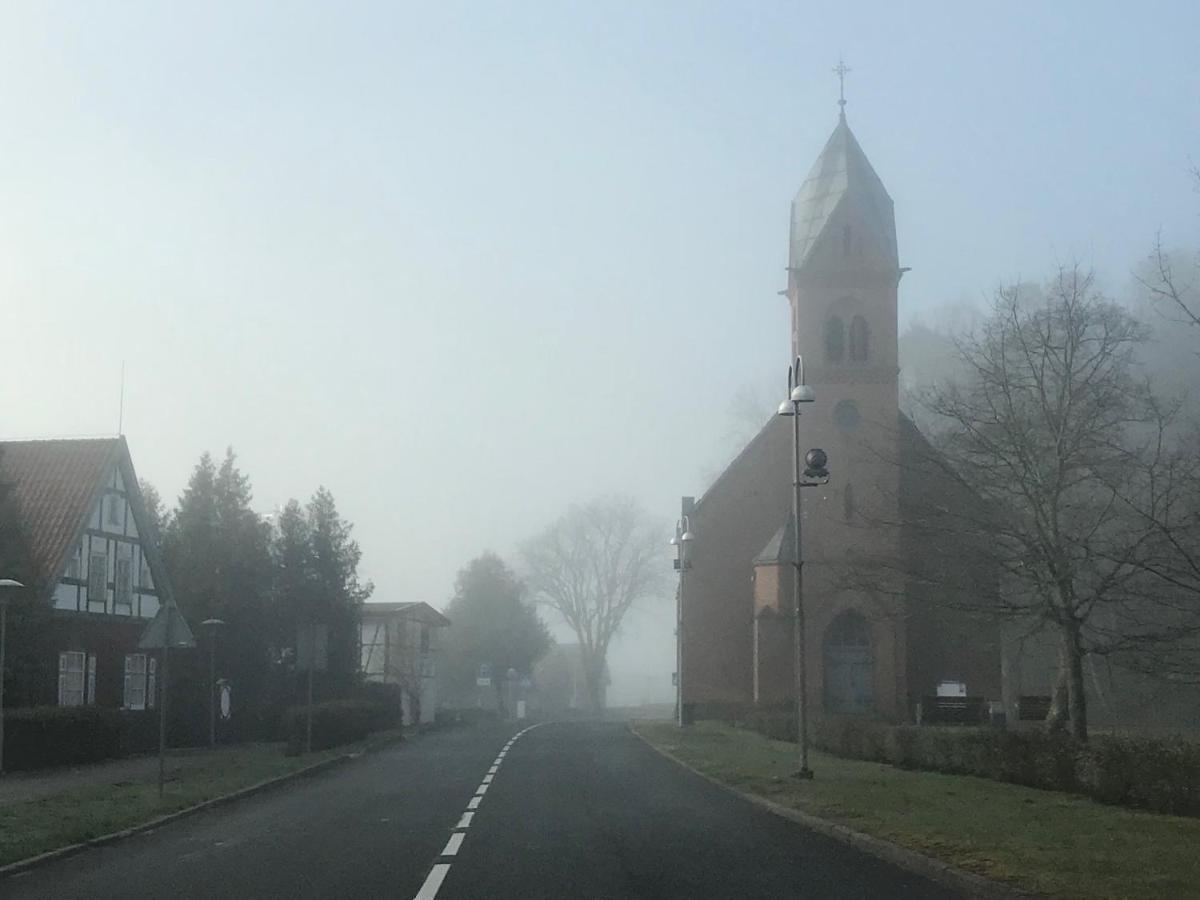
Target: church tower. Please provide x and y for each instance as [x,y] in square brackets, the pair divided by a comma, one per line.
[843,276]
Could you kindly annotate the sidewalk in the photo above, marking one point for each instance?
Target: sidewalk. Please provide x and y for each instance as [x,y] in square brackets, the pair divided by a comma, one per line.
[16,787]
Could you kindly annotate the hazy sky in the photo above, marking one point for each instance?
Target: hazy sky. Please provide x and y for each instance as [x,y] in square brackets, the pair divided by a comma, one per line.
[465,263]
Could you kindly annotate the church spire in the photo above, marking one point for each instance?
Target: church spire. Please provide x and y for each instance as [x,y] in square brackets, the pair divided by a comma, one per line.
[841,70]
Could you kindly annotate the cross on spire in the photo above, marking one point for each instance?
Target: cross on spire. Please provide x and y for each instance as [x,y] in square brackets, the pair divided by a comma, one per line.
[840,71]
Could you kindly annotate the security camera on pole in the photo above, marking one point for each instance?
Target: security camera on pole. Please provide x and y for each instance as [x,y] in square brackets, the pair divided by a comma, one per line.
[814,473]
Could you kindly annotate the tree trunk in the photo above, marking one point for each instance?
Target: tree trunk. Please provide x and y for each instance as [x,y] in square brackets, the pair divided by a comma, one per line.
[593,679]
[1056,718]
[1075,690]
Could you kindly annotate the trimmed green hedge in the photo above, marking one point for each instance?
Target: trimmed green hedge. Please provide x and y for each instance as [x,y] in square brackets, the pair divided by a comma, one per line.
[337,722]
[1159,774]
[43,736]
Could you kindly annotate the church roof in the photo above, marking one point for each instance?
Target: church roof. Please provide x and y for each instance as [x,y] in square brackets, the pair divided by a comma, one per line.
[841,187]
[778,551]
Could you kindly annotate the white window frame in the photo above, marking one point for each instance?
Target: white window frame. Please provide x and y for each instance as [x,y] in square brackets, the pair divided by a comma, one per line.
[72,678]
[135,681]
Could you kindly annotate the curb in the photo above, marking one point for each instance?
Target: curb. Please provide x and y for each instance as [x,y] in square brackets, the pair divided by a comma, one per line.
[934,869]
[33,862]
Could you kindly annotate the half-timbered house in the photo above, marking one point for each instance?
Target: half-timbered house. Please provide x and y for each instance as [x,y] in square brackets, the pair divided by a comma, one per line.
[91,549]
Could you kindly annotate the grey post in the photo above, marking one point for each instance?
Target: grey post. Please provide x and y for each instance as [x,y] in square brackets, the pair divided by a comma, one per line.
[6,586]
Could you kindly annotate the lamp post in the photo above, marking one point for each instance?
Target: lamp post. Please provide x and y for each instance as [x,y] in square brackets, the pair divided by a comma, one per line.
[7,585]
[798,393]
[682,542]
[212,627]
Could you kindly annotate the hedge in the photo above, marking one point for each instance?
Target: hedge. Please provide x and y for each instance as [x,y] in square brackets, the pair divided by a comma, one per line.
[43,736]
[336,722]
[1158,774]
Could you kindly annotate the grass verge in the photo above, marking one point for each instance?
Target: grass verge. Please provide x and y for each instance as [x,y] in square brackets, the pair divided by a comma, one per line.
[1049,843]
[32,827]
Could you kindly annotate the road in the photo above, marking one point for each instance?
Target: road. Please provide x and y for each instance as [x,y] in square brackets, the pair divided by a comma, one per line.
[580,809]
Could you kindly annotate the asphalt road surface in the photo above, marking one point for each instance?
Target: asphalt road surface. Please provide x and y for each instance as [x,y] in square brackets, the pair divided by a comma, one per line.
[563,810]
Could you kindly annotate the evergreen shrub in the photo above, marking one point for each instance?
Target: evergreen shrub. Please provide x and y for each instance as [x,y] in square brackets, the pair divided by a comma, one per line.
[44,736]
[337,722]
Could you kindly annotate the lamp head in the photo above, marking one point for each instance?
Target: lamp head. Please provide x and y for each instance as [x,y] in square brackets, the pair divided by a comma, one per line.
[687,537]
[785,408]
[802,393]
[815,463]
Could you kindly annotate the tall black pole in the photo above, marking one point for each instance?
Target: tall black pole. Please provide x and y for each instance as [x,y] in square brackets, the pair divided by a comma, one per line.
[798,629]
[212,692]
[162,715]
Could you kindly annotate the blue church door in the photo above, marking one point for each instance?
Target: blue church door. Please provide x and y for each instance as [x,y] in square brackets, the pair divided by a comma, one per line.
[848,669]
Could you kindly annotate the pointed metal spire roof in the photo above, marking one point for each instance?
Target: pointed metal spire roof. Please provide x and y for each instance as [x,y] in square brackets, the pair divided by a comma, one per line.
[842,190]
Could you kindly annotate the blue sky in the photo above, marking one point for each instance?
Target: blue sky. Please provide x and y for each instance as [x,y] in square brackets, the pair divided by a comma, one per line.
[465,263]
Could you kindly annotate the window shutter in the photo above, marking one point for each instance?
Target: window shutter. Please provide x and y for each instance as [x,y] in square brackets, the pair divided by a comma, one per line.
[152,683]
[91,679]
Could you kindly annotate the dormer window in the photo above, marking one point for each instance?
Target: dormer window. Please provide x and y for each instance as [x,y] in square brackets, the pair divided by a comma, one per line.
[859,339]
[835,339]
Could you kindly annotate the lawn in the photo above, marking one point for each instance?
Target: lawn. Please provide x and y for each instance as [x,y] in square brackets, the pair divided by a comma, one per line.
[1054,844]
[35,826]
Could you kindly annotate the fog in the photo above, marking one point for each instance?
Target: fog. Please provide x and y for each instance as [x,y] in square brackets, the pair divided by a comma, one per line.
[464,264]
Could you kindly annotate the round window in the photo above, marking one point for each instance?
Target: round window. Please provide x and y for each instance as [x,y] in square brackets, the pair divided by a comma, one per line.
[846,414]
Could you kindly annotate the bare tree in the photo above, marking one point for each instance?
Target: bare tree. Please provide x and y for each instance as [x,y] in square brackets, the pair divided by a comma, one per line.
[592,566]
[1061,460]
[1169,287]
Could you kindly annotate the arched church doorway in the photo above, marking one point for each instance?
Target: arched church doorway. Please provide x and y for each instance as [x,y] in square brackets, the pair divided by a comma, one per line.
[848,665]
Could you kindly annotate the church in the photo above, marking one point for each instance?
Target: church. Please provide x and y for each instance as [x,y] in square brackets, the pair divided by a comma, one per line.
[874,647]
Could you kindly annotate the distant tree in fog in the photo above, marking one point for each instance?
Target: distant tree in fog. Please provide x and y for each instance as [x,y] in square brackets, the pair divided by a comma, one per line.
[493,623]
[592,566]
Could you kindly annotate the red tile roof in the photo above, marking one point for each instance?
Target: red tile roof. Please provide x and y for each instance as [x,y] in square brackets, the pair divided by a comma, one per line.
[55,483]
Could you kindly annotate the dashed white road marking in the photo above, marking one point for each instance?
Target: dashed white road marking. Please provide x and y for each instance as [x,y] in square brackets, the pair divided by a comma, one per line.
[452,845]
[433,881]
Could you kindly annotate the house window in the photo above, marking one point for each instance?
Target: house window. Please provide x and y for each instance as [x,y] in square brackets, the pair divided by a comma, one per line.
[848,665]
[135,681]
[97,577]
[151,682]
[147,581]
[124,585]
[835,339]
[91,679]
[74,565]
[72,670]
[858,340]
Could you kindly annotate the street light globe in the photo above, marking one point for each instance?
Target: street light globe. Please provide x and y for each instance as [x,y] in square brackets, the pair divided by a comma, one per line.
[802,393]
[687,537]
[785,408]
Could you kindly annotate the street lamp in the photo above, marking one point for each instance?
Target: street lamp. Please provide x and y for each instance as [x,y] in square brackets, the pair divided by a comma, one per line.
[212,627]
[816,473]
[682,542]
[7,586]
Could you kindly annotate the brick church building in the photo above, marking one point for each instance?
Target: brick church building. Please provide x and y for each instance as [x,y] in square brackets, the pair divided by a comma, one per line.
[873,647]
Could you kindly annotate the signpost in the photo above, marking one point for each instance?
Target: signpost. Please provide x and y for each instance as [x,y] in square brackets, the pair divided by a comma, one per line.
[312,655]
[168,629]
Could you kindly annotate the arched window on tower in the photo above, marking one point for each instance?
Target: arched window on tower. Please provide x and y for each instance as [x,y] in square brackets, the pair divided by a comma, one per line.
[859,339]
[835,339]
